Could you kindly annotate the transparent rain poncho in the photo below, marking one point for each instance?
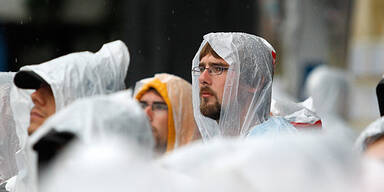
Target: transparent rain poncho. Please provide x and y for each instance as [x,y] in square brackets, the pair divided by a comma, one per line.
[108,166]
[104,117]
[9,142]
[369,135]
[300,115]
[291,163]
[247,92]
[70,77]
[115,119]
[329,89]
[177,93]
[75,76]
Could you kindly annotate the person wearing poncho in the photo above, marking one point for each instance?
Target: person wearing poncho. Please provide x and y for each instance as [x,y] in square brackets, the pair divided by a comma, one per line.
[9,143]
[371,140]
[167,100]
[60,81]
[232,84]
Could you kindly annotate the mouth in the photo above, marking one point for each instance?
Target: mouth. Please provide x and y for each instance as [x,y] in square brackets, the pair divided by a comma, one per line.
[35,114]
[206,92]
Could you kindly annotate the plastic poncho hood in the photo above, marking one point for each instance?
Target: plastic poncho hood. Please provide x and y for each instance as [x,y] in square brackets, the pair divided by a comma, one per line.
[9,142]
[103,117]
[291,163]
[301,115]
[70,77]
[329,89]
[248,87]
[371,134]
[177,93]
[78,75]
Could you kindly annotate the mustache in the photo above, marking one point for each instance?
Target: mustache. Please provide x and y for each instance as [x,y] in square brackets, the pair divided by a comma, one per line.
[207,90]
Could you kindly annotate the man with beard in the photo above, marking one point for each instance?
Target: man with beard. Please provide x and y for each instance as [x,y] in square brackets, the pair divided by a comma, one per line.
[167,101]
[232,85]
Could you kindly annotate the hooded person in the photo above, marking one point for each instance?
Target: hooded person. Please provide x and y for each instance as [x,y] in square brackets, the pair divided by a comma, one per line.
[232,85]
[62,80]
[9,142]
[103,117]
[380,96]
[113,149]
[167,101]
[58,83]
[108,166]
[371,140]
[329,89]
[302,162]
[116,119]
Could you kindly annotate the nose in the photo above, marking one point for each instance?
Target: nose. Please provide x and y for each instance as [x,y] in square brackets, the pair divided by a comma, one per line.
[149,112]
[205,78]
[37,99]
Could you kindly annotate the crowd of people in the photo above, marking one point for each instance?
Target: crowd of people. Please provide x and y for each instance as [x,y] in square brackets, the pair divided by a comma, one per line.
[70,124]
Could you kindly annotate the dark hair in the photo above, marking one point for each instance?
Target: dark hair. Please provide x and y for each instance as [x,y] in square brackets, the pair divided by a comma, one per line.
[207,50]
[154,90]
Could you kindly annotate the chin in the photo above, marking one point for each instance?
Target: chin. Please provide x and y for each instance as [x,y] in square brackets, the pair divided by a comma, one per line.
[32,128]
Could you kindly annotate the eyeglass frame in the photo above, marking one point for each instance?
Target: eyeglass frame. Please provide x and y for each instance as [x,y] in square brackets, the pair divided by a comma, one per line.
[144,104]
[197,69]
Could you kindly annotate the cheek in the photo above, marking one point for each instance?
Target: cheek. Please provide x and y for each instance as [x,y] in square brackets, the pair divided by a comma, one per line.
[52,107]
[161,120]
[220,84]
[162,125]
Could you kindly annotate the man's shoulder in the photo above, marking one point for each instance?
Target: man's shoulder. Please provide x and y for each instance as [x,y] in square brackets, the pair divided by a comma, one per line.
[273,125]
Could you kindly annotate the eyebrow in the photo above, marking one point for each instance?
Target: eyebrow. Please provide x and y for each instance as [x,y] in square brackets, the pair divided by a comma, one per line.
[155,102]
[214,64]
[159,102]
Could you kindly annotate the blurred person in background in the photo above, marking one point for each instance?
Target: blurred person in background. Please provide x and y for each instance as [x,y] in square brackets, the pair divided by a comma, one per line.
[329,88]
[370,144]
[232,84]
[99,117]
[9,142]
[167,101]
[371,140]
[302,162]
[115,120]
[380,96]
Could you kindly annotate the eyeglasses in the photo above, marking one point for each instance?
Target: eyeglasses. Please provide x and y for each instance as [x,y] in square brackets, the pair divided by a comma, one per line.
[155,106]
[212,70]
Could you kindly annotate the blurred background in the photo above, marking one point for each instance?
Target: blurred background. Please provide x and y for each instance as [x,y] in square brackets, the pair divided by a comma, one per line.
[163,36]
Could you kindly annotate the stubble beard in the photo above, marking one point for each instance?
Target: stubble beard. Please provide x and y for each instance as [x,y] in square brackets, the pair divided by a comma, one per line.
[160,146]
[210,110]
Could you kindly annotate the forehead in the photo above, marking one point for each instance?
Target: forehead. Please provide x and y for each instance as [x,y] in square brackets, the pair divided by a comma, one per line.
[211,60]
[151,96]
[46,89]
